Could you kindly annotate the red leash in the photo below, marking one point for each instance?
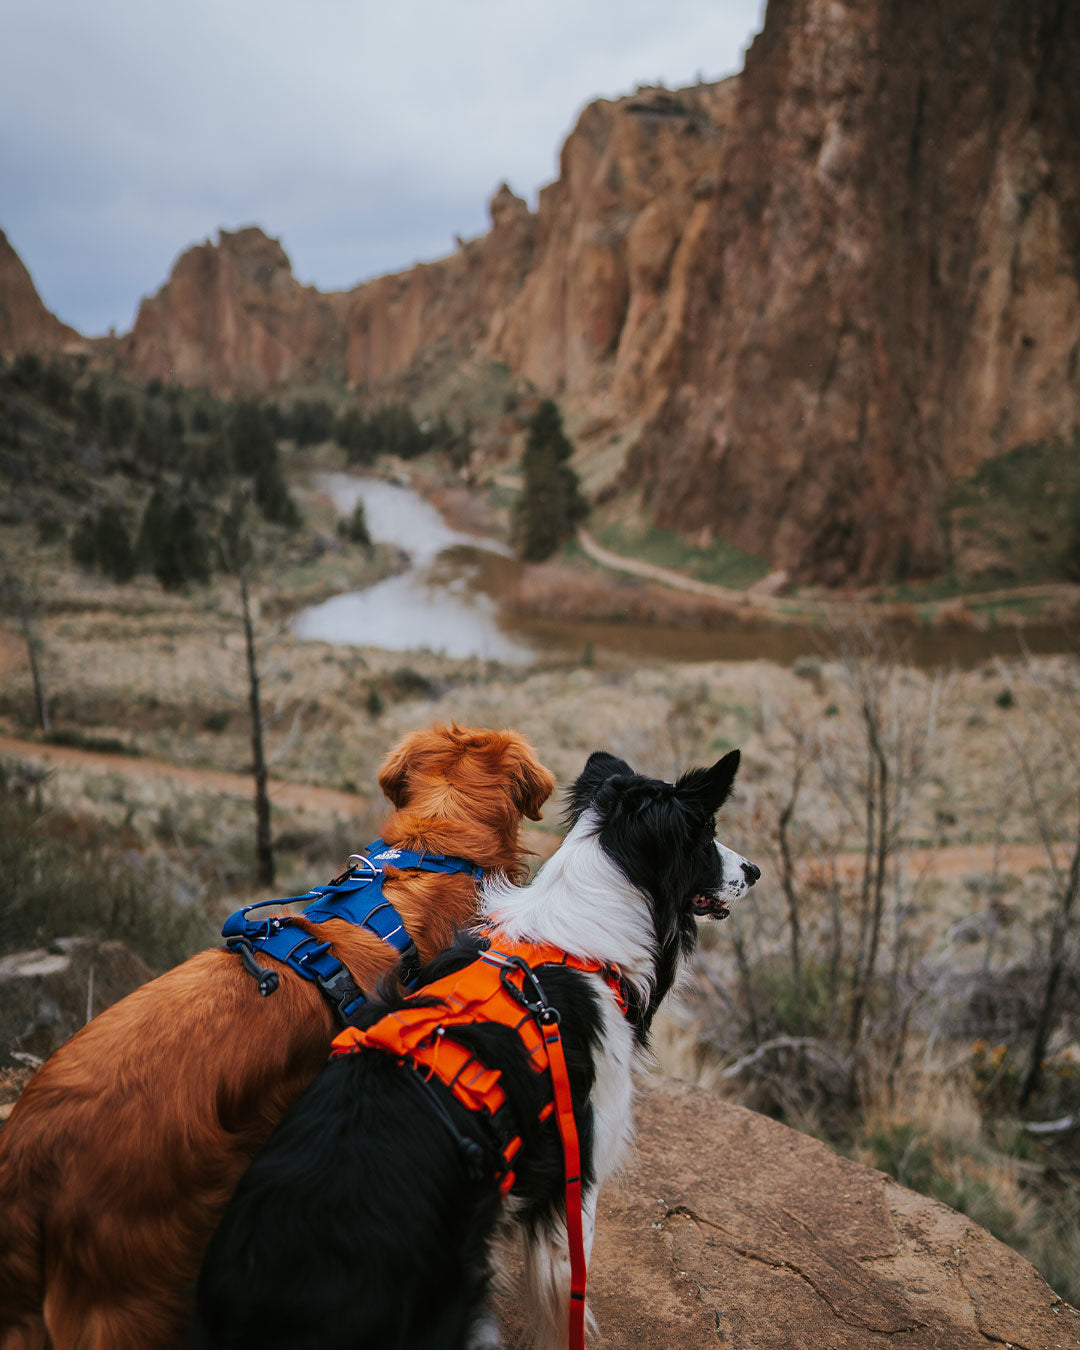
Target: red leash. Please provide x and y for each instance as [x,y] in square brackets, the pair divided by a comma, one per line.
[564,1117]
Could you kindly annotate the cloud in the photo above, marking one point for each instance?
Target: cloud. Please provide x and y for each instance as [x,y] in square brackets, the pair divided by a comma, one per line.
[364,135]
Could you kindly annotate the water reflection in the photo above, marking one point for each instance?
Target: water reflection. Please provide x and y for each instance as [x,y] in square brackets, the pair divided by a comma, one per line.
[452,600]
[446,601]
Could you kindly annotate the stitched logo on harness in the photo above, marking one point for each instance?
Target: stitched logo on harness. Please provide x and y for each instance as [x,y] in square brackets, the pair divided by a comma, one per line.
[390,853]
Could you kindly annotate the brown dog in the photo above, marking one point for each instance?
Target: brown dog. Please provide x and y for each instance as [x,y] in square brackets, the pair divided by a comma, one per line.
[120,1156]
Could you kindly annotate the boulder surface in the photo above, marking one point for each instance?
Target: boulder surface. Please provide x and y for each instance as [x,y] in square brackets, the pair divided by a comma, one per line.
[730,1228]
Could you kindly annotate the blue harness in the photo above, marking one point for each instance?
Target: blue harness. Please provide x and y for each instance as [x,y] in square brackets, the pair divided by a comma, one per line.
[355,896]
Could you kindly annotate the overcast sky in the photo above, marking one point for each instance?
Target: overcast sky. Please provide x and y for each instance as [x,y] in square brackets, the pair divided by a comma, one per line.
[364,134]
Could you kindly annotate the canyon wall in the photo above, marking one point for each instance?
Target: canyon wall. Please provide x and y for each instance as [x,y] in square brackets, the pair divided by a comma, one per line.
[807,298]
[885,292]
[232,318]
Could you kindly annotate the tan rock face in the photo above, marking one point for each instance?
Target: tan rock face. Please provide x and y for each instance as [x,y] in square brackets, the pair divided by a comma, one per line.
[885,290]
[595,307]
[731,1229]
[25,324]
[398,322]
[232,318]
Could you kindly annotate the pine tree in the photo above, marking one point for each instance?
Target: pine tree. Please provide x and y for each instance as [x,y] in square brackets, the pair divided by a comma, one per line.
[119,420]
[182,554]
[551,503]
[113,550]
[152,530]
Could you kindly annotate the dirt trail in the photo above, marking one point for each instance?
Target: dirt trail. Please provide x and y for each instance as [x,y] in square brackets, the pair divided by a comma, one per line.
[952,860]
[753,601]
[653,572]
[296,796]
[291,795]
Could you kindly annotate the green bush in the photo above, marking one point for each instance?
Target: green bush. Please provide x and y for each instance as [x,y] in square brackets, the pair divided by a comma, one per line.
[391,430]
[102,542]
[273,497]
[251,439]
[309,421]
[115,555]
[355,528]
[64,876]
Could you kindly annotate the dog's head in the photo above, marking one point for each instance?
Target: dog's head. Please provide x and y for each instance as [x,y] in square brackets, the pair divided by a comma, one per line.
[471,782]
[662,837]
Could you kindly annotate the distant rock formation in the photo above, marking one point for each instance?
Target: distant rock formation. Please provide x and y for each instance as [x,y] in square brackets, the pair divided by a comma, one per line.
[598,312]
[732,1229]
[788,309]
[232,318]
[25,324]
[434,310]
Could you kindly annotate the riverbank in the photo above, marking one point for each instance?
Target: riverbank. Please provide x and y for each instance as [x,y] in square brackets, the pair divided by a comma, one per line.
[588,582]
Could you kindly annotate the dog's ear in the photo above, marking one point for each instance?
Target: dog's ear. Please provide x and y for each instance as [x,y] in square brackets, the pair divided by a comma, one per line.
[599,767]
[394,773]
[533,785]
[706,790]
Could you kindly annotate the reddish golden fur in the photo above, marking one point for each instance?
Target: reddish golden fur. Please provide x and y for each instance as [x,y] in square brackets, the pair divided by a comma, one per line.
[124,1149]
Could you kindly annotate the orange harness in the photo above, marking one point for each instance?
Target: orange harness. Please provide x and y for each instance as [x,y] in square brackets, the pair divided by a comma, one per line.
[499,986]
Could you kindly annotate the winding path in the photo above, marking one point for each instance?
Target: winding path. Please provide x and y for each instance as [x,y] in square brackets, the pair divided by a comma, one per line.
[952,860]
[794,607]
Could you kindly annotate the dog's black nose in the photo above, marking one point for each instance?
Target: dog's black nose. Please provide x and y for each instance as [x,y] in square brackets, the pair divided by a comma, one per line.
[750,872]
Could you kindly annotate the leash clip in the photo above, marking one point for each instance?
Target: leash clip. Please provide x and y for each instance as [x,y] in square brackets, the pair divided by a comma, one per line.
[537,1005]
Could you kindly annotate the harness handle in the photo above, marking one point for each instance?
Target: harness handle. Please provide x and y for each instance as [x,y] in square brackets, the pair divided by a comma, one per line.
[266,980]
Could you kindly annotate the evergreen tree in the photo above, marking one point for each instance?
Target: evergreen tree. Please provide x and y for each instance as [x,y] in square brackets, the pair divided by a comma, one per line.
[310,421]
[119,420]
[181,554]
[113,551]
[273,498]
[91,406]
[251,438]
[84,542]
[153,528]
[355,529]
[551,503]
[356,437]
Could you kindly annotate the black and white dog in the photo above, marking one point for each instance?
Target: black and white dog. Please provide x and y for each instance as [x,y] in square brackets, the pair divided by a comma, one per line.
[366,1222]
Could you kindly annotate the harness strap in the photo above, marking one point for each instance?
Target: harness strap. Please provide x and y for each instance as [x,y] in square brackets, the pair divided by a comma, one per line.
[355,896]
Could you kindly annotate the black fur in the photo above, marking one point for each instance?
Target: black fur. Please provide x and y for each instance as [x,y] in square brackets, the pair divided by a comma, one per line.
[360,1225]
[662,836]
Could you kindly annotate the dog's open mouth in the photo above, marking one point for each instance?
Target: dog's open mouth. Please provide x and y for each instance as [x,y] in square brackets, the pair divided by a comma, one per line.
[710,907]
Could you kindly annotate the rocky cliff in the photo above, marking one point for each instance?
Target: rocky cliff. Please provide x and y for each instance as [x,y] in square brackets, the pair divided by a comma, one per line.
[232,318]
[25,324]
[886,289]
[787,309]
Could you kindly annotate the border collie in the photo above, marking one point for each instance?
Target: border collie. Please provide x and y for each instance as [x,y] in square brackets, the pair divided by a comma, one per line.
[367,1222]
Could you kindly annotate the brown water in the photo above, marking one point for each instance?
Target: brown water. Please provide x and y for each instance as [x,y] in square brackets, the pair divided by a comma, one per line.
[452,599]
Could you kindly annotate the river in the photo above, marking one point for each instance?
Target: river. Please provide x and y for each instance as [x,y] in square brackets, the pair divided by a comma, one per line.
[452,599]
